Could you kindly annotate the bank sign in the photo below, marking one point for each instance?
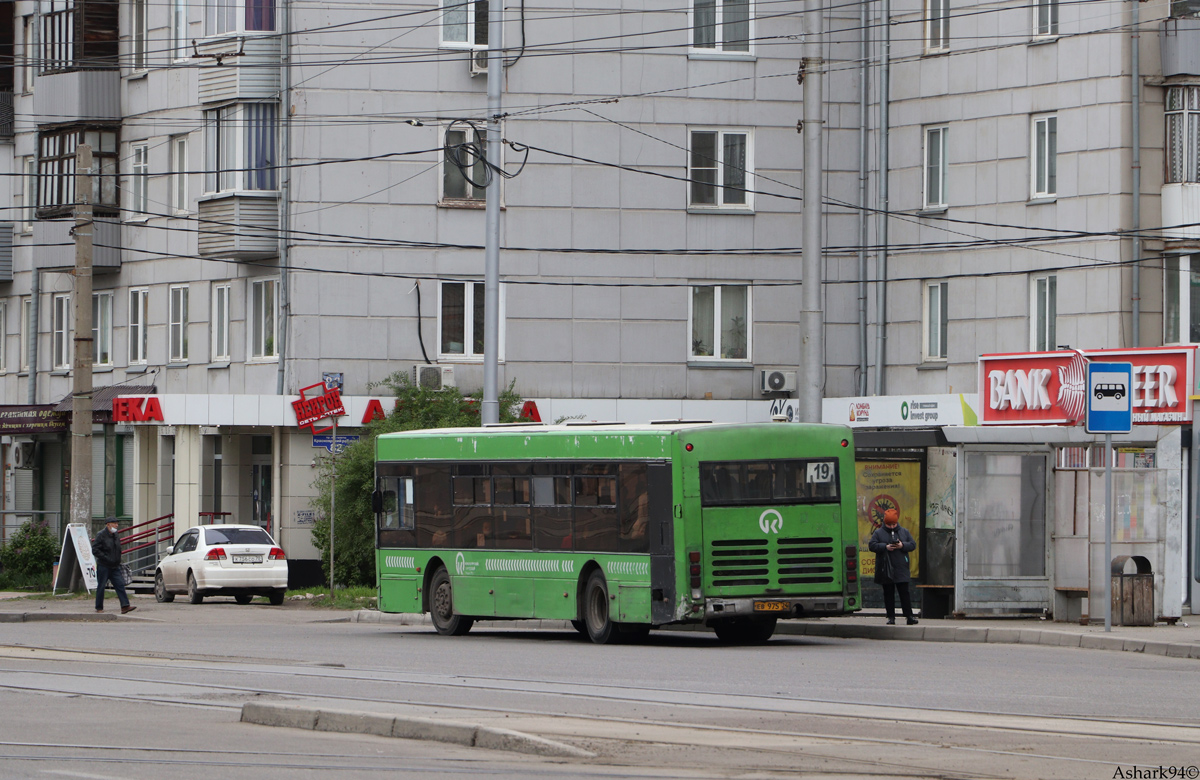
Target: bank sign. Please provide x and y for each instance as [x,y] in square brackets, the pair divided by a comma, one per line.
[1050,388]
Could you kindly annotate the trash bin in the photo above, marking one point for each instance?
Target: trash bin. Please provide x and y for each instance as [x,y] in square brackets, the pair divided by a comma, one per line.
[1132,594]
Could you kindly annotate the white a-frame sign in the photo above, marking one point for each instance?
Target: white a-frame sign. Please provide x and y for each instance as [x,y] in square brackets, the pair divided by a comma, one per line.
[76,559]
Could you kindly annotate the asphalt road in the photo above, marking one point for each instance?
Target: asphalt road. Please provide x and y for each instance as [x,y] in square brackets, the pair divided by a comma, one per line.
[167,689]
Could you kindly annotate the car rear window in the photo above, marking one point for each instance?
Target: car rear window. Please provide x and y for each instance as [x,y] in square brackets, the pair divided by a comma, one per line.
[236,536]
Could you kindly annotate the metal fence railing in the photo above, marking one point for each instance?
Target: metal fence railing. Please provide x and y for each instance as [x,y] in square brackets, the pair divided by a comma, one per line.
[142,545]
[11,521]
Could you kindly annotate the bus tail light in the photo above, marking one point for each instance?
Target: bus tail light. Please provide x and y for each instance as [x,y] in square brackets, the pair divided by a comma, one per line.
[215,554]
[851,563]
[694,560]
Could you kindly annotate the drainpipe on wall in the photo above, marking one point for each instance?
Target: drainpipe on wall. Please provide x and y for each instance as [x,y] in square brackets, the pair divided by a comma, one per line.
[1136,67]
[31,335]
[863,88]
[285,181]
[885,68]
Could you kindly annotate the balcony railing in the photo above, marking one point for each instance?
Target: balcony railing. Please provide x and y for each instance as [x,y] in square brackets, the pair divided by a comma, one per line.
[7,129]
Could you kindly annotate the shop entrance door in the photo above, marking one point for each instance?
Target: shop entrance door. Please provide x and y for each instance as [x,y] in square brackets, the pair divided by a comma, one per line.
[1003,547]
[261,511]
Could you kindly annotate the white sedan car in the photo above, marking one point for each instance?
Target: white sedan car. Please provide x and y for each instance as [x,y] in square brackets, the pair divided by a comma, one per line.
[242,561]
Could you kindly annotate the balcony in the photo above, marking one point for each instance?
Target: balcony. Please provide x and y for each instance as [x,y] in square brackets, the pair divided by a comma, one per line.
[1179,43]
[247,69]
[240,225]
[78,95]
[56,246]
[7,128]
[6,253]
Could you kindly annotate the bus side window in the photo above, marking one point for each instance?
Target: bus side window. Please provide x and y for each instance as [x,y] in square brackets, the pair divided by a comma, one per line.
[396,521]
[635,508]
[512,514]
[434,518]
[551,512]
[597,522]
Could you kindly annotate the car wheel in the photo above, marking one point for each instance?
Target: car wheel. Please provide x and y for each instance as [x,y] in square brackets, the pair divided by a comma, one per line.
[600,628]
[194,594]
[243,598]
[161,594]
[276,597]
[441,607]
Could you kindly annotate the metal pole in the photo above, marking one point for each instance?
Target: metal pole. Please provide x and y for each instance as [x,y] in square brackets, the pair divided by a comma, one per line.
[813,337]
[1108,507]
[863,165]
[885,70]
[1136,289]
[332,503]
[81,402]
[490,411]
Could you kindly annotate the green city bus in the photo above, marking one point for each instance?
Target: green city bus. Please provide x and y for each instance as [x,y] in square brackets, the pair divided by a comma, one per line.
[618,528]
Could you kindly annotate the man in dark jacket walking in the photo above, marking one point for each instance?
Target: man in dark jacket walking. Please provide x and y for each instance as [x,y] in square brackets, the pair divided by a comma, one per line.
[106,548]
[891,545]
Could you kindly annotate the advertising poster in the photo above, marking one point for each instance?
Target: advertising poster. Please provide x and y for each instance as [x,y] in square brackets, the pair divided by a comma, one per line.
[884,485]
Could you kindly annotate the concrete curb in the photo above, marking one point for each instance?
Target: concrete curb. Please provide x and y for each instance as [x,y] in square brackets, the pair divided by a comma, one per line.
[57,617]
[406,727]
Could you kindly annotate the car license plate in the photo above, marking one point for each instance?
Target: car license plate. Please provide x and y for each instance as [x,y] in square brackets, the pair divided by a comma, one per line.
[247,559]
[772,606]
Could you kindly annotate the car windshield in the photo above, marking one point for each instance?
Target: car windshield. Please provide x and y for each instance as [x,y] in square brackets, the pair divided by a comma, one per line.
[236,536]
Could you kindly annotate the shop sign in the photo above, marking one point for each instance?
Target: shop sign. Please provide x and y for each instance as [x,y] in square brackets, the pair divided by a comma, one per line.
[316,403]
[32,420]
[134,409]
[1050,388]
[899,411]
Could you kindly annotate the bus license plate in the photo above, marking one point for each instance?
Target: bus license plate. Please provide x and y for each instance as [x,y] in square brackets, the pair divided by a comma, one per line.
[772,606]
[247,559]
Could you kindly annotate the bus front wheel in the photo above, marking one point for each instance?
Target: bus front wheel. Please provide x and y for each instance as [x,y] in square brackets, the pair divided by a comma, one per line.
[441,607]
[600,628]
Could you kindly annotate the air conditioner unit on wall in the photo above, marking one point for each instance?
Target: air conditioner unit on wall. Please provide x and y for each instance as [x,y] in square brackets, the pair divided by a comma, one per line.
[479,62]
[774,381]
[433,377]
[24,453]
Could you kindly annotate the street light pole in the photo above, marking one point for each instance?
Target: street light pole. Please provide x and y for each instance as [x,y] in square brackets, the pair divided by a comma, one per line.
[490,410]
[81,395]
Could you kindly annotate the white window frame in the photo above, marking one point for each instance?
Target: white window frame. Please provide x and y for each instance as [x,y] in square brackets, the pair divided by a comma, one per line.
[179,30]
[715,42]
[228,17]
[139,184]
[1043,313]
[177,319]
[476,194]
[29,52]
[139,308]
[937,25]
[264,341]
[139,35]
[3,337]
[471,292]
[1045,18]
[719,170]
[28,329]
[473,36]
[178,150]
[60,328]
[102,328]
[936,138]
[935,321]
[717,322]
[1182,118]
[24,197]
[228,132]
[1043,156]
[220,322]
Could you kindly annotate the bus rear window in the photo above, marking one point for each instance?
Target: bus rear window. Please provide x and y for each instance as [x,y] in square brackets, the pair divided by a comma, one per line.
[736,483]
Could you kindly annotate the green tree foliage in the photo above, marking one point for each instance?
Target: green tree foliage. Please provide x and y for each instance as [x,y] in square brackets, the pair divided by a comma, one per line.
[416,408]
[32,550]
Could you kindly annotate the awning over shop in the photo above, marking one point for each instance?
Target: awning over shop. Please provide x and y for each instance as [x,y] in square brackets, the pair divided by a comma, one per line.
[102,399]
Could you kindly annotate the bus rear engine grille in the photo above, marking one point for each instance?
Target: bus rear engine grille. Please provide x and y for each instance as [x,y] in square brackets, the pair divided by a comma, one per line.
[806,560]
[741,562]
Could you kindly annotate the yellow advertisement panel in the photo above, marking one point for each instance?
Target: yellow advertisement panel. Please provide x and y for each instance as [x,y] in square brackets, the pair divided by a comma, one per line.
[884,485]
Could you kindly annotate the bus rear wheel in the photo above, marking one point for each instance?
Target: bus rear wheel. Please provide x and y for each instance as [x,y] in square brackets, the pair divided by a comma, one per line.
[600,628]
[745,631]
[441,607]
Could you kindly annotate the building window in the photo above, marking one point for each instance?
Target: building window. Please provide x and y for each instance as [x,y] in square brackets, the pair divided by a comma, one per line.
[220,323]
[62,332]
[29,56]
[721,169]
[720,322]
[465,23]
[1043,322]
[1183,134]
[24,194]
[140,169]
[140,34]
[461,320]
[3,336]
[233,16]
[179,187]
[242,141]
[1044,168]
[1181,288]
[1045,17]
[470,155]
[28,330]
[138,307]
[264,311]
[102,328]
[936,320]
[937,25]
[178,319]
[935,167]
[77,34]
[721,25]
[56,169]
[179,29]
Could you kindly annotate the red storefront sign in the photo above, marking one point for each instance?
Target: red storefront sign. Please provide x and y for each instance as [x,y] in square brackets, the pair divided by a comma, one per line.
[311,409]
[1050,388]
[131,409]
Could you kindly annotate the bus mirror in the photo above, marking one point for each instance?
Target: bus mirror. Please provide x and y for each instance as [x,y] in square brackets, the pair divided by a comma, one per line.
[376,501]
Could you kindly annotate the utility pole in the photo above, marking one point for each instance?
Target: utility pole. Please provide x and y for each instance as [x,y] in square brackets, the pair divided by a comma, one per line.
[490,411]
[81,401]
[812,340]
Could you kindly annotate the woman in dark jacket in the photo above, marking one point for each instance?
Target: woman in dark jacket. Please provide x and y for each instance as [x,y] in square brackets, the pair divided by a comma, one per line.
[891,545]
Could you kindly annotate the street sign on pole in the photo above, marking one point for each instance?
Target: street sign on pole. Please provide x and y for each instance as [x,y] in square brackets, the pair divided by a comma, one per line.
[1109,411]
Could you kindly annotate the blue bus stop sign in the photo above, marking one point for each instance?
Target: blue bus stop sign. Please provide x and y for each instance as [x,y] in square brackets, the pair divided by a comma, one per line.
[1110,398]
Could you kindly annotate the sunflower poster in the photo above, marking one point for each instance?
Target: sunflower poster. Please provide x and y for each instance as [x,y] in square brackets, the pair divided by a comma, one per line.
[884,485]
